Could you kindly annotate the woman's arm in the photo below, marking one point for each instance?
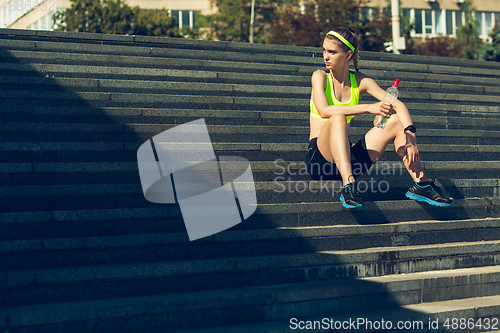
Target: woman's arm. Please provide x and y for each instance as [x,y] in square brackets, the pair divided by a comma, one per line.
[371,87]
[318,82]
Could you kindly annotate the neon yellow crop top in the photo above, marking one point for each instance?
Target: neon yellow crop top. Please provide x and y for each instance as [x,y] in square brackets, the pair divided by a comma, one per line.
[330,95]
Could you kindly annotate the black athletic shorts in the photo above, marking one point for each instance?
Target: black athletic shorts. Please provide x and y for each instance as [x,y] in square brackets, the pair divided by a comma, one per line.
[321,169]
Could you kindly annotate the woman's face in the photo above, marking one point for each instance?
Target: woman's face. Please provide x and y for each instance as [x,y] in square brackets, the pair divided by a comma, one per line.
[334,55]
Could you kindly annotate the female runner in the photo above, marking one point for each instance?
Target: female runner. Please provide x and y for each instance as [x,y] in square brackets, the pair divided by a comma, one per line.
[334,102]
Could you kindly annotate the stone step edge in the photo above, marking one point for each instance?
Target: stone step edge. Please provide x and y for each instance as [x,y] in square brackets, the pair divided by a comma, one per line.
[7,127]
[144,60]
[49,74]
[13,146]
[485,113]
[168,42]
[226,97]
[172,211]
[383,180]
[314,264]
[392,230]
[45,314]
[224,47]
[479,310]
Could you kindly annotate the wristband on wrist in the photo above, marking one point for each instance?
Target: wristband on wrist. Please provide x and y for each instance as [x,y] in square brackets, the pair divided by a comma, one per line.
[411,128]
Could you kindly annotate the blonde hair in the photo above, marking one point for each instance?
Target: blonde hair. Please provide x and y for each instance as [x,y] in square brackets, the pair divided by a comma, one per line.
[350,34]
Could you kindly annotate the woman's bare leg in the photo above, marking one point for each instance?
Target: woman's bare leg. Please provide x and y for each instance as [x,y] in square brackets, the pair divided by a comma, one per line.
[377,140]
[333,143]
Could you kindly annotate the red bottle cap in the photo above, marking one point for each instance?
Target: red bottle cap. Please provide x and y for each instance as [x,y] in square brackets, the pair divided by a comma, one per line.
[396,83]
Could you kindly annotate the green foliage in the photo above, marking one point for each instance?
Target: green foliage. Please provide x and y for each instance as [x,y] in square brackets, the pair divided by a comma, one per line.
[307,26]
[467,37]
[375,31]
[115,17]
[232,20]
[154,22]
[443,46]
[491,52]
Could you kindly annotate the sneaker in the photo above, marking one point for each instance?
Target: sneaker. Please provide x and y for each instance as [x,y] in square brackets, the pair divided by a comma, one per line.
[429,193]
[350,196]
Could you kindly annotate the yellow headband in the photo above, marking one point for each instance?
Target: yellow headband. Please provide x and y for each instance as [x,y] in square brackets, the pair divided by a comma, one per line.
[342,39]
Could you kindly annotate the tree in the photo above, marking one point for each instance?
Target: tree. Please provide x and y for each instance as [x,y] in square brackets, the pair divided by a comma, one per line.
[467,36]
[306,25]
[82,16]
[438,47]
[115,17]
[491,52]
[154,22]
[375,31]
[231,22]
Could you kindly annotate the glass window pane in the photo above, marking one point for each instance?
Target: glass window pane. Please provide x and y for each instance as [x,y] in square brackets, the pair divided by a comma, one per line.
[195,13]
[489,22]
[175,13]
[428,17]
[439,22]
[480,23]
[185,17]
[458,18]
[449,22]
[418,21]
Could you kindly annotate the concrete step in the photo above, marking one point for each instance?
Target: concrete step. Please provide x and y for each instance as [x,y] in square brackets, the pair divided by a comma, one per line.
[58,70]
[476,314]
[217,99]
[266,216]
[71,152]
[82,250]
[12,131]
[151,117]
[223,51]
[95,247]
[438,114]
[92,282]
[459,293]
[283,189]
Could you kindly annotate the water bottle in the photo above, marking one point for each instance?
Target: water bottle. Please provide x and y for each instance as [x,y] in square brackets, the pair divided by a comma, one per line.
[391,94]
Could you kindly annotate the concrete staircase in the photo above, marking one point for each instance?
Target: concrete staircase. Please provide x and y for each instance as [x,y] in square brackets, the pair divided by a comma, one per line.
[81,250]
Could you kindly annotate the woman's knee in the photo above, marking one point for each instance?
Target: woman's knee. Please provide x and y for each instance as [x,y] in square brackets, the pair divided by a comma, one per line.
[394,123]
[337,120]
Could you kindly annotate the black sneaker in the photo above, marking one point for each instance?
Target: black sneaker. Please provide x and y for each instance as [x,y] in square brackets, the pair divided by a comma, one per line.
[428,193]
[350,196]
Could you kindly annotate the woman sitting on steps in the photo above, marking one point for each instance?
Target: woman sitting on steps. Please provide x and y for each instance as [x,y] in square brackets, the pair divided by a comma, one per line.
[334,102]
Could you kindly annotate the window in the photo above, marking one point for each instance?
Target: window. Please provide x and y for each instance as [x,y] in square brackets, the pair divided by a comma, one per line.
[449,22]
[480,23]
[185,17]
[440,22]
[459,16]
[428,22]
[418,21]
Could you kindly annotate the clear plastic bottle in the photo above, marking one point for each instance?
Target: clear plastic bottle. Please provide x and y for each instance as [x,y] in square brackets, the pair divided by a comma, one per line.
[391,94]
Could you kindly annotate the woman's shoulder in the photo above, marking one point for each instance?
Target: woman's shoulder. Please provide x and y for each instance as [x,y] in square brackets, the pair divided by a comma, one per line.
[319,77]
[319,73]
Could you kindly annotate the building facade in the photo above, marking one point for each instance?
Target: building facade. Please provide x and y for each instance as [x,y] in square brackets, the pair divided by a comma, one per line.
[37,14]
[430,18]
